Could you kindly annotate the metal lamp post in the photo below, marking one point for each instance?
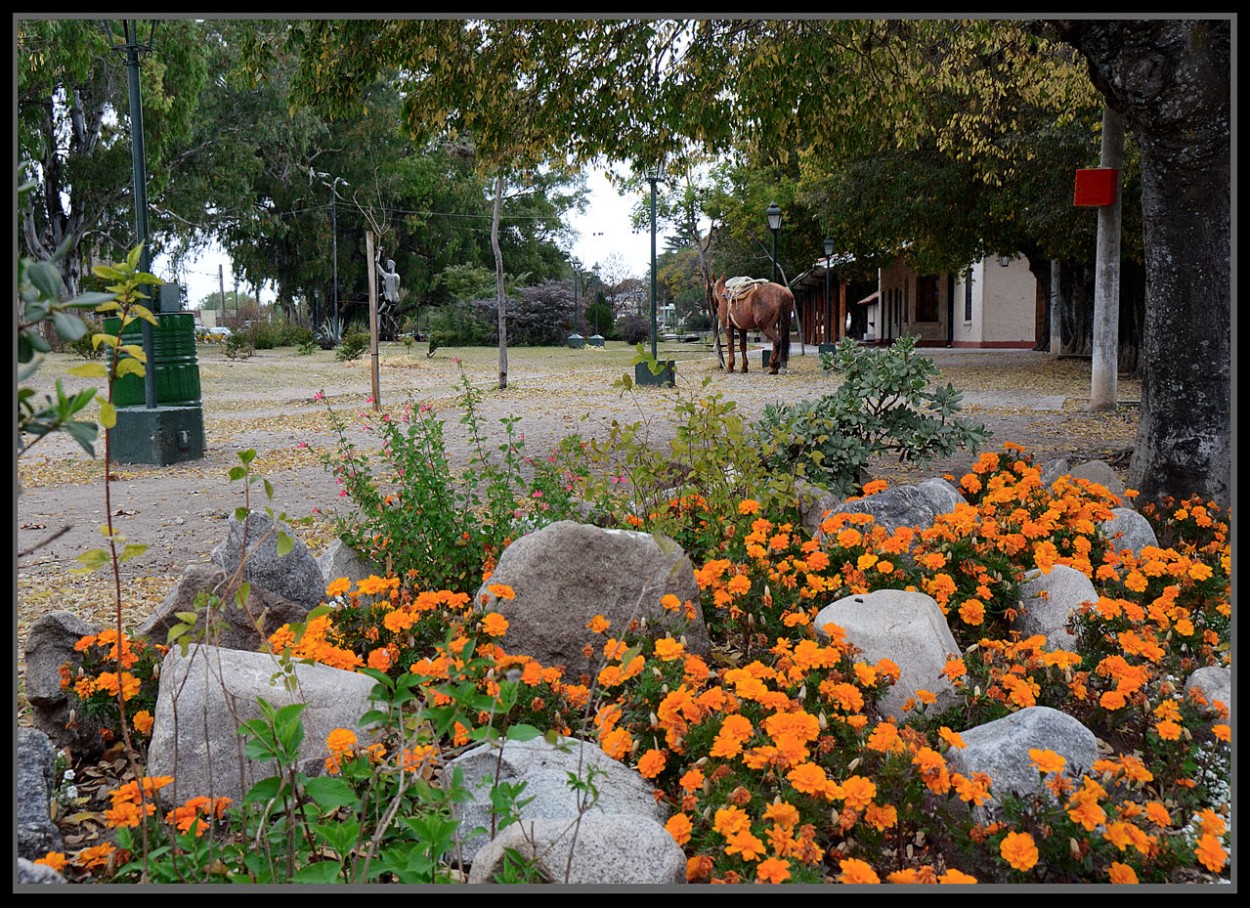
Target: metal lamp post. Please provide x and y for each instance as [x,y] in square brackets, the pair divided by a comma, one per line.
[830,333]
[575,340]
[169,427]
[133,48]
[653,178]
[774,224]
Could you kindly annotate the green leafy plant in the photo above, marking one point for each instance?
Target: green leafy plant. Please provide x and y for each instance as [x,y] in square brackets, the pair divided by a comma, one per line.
[883,406]
[354,345]
[239,346]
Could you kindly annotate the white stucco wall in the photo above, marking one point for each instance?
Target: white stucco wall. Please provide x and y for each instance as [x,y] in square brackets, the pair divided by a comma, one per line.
[1009,297]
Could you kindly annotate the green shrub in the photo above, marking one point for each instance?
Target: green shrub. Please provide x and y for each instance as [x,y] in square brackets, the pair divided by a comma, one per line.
[456,325]
[883,406]
[354,345]
[239,346]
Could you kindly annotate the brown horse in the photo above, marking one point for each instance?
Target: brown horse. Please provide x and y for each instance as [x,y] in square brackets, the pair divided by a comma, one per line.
[764,307]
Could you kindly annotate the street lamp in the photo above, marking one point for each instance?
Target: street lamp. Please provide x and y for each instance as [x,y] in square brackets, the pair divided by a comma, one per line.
[653,177]
[575,340]
[829,332]
[774,224]
[133,47]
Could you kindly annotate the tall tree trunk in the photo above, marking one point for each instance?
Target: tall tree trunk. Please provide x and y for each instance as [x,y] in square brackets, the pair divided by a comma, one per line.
[1171,80]
[499,290]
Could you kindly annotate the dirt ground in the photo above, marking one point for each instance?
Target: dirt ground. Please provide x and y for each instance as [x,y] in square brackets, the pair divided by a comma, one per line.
[269,404]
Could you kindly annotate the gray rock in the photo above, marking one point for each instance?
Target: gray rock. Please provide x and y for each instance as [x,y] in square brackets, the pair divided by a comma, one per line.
[1128,530]
[31,874]
[341,560]
[1047,601]
[545,770]
[225,624]
[602,850]
[565,574]
[1001,750]
[36,780]
[1053,469]
[49,645]
[914,505]
[1216,684]
[907,628]
[206,695]
[815,504]
[1099,472]
[294,576]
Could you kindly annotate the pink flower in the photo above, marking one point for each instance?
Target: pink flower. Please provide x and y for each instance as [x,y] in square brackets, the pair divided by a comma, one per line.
[538,493]
[320,395]
[369,399]
[302,444]
[342,493]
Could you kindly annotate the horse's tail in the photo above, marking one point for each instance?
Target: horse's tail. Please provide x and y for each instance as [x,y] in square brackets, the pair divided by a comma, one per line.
[785,331]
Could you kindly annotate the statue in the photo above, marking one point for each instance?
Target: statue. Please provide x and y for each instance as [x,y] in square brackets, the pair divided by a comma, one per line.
[388,279]
[388,309]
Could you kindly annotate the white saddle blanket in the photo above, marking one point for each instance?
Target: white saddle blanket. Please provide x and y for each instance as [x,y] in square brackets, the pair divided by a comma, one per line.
[738,287]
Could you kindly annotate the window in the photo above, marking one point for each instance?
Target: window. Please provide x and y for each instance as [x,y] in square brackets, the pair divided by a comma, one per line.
[968,297]
[927,299]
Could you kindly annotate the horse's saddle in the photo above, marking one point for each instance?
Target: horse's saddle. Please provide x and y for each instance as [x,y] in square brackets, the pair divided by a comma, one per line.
[736,290]
[738,287]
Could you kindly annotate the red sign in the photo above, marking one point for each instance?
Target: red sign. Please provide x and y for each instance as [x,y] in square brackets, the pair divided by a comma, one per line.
[1096,187]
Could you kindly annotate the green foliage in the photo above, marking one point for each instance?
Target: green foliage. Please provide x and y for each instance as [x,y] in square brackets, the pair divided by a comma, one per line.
[239,346]
[355,344]
[883,406]
[455,325]
[40,292]
[416,513]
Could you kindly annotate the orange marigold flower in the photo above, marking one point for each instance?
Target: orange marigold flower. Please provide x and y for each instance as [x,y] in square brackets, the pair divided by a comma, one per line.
[95,857]
[599,624]
[1121,873]
[855,871]
[143,722]
[773,870]
[1046,761]
[748,507]
[745,843]
[693,780]
[1019,851]
[379,659]
[972,612]
[617,743]
[858,792]
[495,624]
[652,763]
[956,877]
[698,868]
[1158,814]
[341,740]
[668,649]
[953,738]
[880,817]
[679,827]
[338,587]
[1168,730]
[1223,732]
[1210,853]
[54,859]
[501,591]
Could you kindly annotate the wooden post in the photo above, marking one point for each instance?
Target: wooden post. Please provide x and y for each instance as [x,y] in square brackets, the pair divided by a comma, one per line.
[373,318]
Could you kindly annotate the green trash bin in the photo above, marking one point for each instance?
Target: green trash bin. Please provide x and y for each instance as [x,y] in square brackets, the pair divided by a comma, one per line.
[175,363]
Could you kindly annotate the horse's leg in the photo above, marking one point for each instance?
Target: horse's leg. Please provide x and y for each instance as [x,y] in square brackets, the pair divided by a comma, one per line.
[774,360]
[729,337]
[742,340]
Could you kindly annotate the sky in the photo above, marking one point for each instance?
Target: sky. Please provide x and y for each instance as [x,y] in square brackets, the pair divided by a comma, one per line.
[603,229]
